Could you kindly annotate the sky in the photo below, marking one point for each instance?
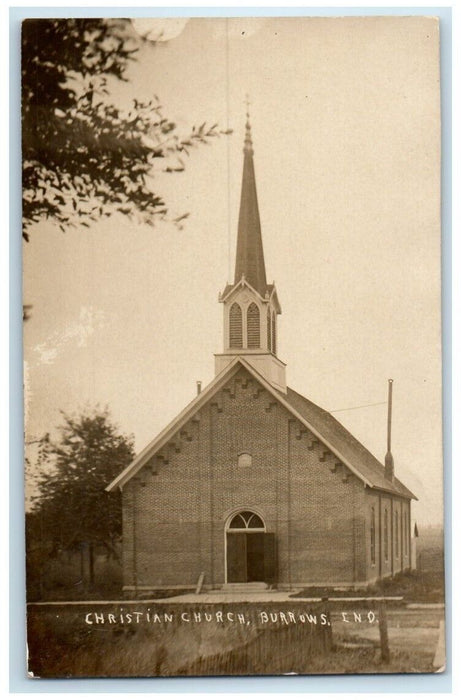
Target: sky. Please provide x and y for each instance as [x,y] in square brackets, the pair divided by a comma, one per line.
[346,133]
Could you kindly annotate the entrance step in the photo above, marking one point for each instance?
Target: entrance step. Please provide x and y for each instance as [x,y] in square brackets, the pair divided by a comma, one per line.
[250,586]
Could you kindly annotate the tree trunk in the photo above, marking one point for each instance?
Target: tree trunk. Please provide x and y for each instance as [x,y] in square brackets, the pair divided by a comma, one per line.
[82,563]
[91,562]
[383,634]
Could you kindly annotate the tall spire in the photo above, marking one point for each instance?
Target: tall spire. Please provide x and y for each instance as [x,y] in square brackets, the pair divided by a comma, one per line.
[249,261]
[251,308]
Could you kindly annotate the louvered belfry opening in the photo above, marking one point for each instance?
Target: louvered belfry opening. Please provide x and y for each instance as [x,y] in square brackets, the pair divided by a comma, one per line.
[253,330]
[235,326]
[269,335]
[274,334]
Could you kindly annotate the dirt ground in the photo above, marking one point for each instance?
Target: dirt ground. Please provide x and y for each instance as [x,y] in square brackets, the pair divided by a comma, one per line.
[413,636]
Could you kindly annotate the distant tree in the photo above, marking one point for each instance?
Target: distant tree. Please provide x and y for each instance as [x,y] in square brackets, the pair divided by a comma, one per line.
[72,508]
[84,157]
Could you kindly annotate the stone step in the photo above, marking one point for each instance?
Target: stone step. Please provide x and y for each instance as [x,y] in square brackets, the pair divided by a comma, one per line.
[250,586]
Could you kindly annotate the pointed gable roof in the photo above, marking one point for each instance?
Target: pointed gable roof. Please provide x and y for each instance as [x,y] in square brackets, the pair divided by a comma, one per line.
[350,448]
[321,423]
[249,261]
[271,292]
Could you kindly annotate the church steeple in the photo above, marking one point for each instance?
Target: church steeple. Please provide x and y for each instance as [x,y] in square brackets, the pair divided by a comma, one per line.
[249,260]
[250,304]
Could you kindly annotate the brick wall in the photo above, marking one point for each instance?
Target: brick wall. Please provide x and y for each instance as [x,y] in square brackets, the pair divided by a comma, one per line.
[398,539]
[175,509]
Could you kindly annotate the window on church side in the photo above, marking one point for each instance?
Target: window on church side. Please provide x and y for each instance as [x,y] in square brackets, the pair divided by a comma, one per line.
[269,335]
[386,535]
[274,337]
[405,533]
[396,534]
[235,326]
[373,537]
[253,326]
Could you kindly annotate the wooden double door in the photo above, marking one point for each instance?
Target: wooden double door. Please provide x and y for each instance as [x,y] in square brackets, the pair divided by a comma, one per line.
[251,556]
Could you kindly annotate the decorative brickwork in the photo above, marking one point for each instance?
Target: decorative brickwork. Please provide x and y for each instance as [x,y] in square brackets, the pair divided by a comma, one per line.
[176,507]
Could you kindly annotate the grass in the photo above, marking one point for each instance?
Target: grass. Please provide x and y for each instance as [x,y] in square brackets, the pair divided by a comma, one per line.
[414,586]
[367,659]
[62,645]
[62,579]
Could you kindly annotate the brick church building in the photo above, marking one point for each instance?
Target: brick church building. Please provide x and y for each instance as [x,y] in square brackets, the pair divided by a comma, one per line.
[252,482]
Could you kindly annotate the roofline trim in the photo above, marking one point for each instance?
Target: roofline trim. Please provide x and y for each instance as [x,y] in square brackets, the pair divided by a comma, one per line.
[176,424]
[396,494]
[305,422]
[274,296]
[172,427]
[244,282]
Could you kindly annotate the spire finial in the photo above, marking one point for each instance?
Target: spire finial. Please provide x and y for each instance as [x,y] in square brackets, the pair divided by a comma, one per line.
[247,103]
[248,147]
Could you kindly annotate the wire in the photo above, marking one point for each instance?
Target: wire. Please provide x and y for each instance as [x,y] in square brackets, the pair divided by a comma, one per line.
[354,408]
[229,232]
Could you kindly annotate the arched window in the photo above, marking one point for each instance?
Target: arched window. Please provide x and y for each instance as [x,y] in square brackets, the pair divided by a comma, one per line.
[274,336]
[373,537]
[269,334]
[253,326]
[246,520]
[386,535]
[396,534]
[235,326]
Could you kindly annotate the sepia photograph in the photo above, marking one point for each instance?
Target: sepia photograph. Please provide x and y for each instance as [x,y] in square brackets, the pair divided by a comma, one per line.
[232,346]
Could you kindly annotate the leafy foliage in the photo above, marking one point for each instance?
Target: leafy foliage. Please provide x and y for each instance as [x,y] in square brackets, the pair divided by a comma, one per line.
[72,506]
[84,157]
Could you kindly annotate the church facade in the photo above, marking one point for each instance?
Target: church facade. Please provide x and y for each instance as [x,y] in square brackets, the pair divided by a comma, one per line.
[252,482]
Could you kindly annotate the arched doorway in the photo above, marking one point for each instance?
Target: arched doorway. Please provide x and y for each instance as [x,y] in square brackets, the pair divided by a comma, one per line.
[250,550]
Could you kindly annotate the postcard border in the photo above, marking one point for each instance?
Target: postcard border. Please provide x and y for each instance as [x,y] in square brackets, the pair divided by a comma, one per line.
[312,684]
